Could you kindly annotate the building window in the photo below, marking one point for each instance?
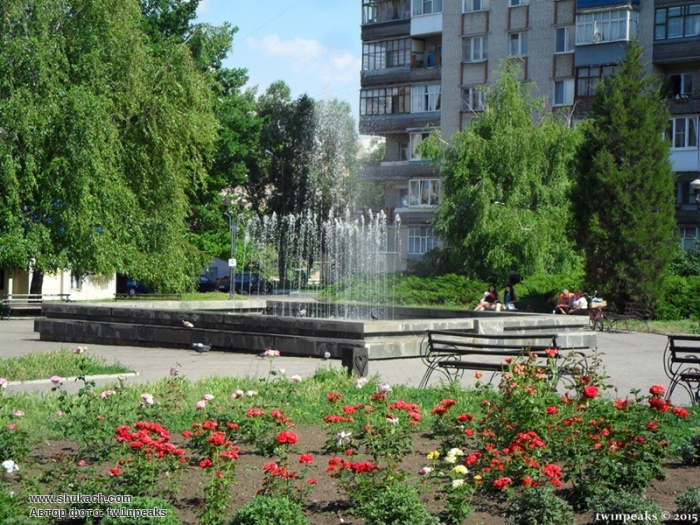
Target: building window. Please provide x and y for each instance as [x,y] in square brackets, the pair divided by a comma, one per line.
[563,92]
[518,44]
[516,3]
[376,12]
[425,98]
[475,48]
[423,192]
[474,98]
[385,101]
[403,151]
[683,132]
[606,26]
[565,40]
[680,85]
[587,79]
[421,239]
[426,7]
[677,22]
[415,140]
[386,54]
[469,6]
[689,237]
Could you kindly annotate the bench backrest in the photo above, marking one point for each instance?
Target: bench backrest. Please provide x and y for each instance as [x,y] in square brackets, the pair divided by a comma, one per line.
[445,341]
[35,297]
[684,348]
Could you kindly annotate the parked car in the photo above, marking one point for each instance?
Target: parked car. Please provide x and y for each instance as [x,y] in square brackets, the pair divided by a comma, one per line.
[204,284]
[134,287]
[245,283]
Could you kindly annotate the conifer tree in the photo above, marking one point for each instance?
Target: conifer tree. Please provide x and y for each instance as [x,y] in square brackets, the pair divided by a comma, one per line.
[623,196]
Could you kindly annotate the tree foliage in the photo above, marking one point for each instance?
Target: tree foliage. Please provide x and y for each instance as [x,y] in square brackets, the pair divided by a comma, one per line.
[506,177]
[105,136]
[624,193]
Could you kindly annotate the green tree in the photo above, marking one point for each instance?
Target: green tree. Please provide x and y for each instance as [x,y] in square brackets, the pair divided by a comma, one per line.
[506,178]
[105,136]
[624,192]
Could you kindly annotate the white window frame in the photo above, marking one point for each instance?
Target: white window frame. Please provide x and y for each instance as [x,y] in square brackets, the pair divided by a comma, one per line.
[475,48]
[683,132]
[414,141]
[606,26]
[563,94]
[425,98]
[569,39]
[517,44]
[421,239]
[474,98]
[426,7]
[473,6]
[423,193]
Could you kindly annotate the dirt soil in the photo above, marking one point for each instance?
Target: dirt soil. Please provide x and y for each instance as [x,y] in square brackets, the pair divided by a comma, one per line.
[327,502]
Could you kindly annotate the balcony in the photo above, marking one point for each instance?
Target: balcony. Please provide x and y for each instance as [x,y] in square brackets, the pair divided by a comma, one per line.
[397,171]
[380,124]
[379,12]
[591,4]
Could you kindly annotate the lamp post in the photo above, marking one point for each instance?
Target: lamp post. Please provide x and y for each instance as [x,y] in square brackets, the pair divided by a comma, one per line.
[233,230]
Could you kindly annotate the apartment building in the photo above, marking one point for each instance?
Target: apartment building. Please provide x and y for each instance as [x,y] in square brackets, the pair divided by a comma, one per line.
[426,64]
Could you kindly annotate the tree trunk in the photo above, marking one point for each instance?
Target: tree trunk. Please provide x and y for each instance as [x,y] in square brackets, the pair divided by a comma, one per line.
[37,282]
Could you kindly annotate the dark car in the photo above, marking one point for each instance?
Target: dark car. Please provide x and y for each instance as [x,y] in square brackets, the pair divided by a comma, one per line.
[204,284]
[245,283]
[137,287]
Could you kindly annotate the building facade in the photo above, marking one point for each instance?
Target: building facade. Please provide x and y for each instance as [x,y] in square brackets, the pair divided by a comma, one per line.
[426,65]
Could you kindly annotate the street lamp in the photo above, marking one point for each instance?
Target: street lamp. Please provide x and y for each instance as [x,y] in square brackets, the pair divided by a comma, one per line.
[233,230]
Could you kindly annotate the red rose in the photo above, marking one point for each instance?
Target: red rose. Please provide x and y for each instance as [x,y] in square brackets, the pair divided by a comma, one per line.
[206,463]
[552,410]
[590,392]
[116,471]
[502,483]
[306,459]
[287,437]
[334,397]
[680,412]
[657,390]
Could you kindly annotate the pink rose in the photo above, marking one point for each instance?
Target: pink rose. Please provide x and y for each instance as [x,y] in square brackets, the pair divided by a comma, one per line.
[590,392]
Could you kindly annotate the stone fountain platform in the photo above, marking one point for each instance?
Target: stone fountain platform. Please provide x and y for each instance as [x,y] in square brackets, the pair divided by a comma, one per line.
[254,325]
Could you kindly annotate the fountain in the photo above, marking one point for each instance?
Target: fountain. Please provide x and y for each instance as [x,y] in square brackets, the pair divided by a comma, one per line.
[362,323]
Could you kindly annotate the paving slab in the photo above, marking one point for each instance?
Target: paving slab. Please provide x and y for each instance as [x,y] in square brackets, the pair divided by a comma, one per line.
[633,360]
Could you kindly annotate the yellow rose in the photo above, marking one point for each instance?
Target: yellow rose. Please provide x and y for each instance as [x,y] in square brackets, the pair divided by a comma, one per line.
[434,454]
[460,469]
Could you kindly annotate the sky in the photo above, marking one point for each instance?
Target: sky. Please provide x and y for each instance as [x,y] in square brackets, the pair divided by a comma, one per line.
[312,45]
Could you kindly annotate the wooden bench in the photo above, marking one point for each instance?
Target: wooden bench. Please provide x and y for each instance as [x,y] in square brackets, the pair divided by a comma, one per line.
[682,365]
[28,302]
[451,352]
[634,311]
[147,297]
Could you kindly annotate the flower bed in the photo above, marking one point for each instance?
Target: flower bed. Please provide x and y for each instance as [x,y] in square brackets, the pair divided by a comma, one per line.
[324,448]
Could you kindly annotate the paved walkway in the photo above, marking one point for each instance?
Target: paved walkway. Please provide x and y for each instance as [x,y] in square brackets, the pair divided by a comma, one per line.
[632,360]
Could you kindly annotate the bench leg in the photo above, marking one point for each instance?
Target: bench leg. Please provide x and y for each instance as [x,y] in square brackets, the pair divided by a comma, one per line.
[692,388]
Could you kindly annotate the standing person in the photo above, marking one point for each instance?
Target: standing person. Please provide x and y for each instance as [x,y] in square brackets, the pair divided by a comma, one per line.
[509,297]
[489,301]
[566,302]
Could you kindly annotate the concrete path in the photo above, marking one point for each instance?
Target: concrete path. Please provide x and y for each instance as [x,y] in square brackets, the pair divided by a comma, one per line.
[632,360]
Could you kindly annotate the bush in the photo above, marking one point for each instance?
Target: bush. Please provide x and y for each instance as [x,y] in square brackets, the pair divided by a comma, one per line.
[688,505]
[618,507]
[263,510]
[539,292]
[689,451]
[398,504]
[540,506]
[681,298]
[168,517]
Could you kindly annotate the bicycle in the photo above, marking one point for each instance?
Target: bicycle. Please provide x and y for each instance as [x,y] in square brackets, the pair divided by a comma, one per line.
[596,314]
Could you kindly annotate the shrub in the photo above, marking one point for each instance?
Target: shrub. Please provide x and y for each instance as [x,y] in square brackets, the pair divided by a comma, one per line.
[680,298]
[613,507]
[263,510]
[540,506]
[539,292]
[689,451]
[126,513]
[398,504]
[688,505]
